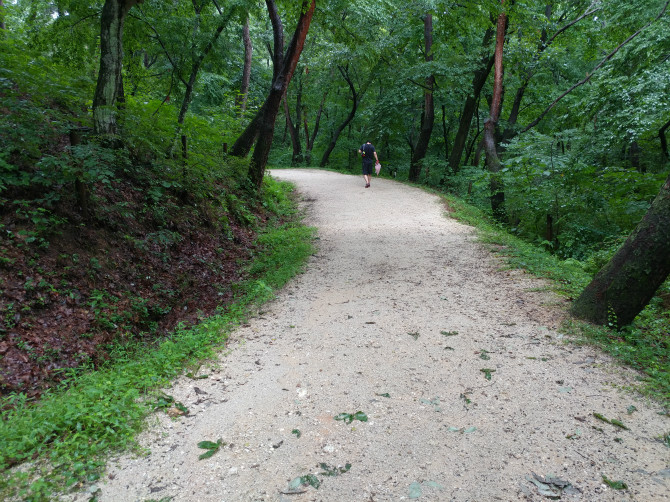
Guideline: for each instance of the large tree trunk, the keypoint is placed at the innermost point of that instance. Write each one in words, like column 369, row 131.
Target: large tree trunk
column 245, row 141
column 492, row 159
column 259, row 159
column 111, row 60
column 428, row 115
column 471, row 104
column 624, row 286
column 241, row 100
column 344, row 71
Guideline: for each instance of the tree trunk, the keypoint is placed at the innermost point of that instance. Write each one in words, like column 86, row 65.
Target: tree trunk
column 624, row 286
column 428, row 115
column 492, row 159
column 293, row 130
column 241, row 99
column 259, row 159
column 445, row 134
column 2, row 16
column 111, row 60
column 664, row 141
column 309, row 143
column 350, row 117
column 470, row 104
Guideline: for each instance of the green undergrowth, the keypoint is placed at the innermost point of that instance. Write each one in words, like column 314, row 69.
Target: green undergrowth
column 643, row 346
column 63, row 440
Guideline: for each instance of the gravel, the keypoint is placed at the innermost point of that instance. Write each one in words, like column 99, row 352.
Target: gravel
column 397, row 316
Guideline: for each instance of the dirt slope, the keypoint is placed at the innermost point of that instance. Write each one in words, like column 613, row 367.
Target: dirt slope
column 396, row 316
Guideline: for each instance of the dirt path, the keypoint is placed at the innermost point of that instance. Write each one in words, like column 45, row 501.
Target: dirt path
column 396, row 316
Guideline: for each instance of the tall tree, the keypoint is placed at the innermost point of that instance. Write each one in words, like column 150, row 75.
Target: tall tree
column 624, row 286
column 428, row 115
column 344, row 71
column 490, row 144
column 470, row 105
column 111, row 60
column 289, row 61
column 241, row 99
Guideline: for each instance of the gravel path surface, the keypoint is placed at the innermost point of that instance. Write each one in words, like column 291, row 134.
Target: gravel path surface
column 397, row 316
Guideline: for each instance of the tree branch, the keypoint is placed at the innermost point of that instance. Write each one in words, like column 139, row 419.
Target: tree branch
column 596, row 68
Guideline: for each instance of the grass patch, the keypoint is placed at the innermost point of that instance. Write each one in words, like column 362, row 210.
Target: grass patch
column 64, row 439
column 644, row 345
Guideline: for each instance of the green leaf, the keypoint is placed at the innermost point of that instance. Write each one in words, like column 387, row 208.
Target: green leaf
column 487, row 372
column 333, row 471
column 208, row 445
column 385, row 394
column 211, row 447
column 415, row 490
column 359, row 415
column 296, row 432
column 631, row 409
column 617, row 485
column 449, row 333
column 615, row 422
column 207, row 454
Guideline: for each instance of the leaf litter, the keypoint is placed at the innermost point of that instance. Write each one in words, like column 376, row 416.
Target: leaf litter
column 551, row 486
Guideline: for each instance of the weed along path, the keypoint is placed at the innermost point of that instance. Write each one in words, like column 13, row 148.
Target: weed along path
column 402, row 364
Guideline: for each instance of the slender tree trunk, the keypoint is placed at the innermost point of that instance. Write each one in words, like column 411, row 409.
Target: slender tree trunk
column 664, row 140
column 492, row 159
column 259, row 158
column 241, row 99
column 188, row 95
column 309, row 143
column 111, row 61
column 344, row 71
column 624, row 286
column 471, row 103
column 445, row 133
column 293, row 132
column 2, row 16
column 428, row 115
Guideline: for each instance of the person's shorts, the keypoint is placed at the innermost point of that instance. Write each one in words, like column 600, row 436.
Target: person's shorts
column 368, row 168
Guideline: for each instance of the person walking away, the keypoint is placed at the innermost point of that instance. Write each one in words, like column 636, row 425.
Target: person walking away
column 369, row 156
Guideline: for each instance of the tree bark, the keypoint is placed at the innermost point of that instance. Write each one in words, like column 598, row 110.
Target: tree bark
column 241, row 99
column 492, row 159
column 664, row 140
column 111, row 61
column 470, row 104
column 428, row 115
column 624, row 286
column 259, row 158
column 294, row 130
column 2, row 16
column 344, row 71
column 309, row 142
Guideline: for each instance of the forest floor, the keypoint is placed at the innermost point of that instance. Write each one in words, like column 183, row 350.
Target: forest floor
column 404, row 363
